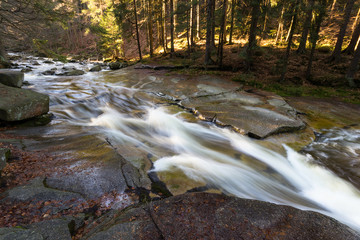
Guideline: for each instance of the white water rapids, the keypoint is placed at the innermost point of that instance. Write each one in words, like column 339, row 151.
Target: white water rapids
column 222, row 159
column 295, row 181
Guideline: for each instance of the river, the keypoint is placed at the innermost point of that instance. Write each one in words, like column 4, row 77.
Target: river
column 119, row 107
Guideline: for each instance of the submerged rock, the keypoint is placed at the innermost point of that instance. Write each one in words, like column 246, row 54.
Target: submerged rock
column 11, row 78
column 19, row 104
column 96, row 68
column 214, row 216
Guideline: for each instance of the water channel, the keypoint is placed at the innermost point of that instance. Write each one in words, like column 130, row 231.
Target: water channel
column 121, row 108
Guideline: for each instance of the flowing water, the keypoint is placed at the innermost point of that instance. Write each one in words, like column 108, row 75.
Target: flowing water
column 118, row 106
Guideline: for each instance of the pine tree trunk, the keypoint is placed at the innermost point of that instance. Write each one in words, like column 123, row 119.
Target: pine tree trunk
column 209, row 20
column 161, row 22
column 233, row 2
column 188, row 21
column 337, row 51
column 198, row 20
column 354, row 39
column 332, row 9
column 193, row 23
column 354, row 65
column 314, row 36
column 213, row 25
column 222, row 35
column 137, row 30
column 150, row 28
column 255, row 13
column 292, row 30
column 279, row 33
column 164, row 24
column 307, row 24
column 172, row 49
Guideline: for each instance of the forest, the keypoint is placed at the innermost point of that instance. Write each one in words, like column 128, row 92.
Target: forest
column 250, row 36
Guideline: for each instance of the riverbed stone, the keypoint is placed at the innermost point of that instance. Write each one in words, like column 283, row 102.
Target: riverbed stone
column 215, row 216
column 11, row 78
column 96, row 68
column 54, row 229
column 36, row 191
column 19, row 104
column 258, row 116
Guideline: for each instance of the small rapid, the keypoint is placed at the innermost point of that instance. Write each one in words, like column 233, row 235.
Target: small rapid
column 115, row 106
column 260, row 173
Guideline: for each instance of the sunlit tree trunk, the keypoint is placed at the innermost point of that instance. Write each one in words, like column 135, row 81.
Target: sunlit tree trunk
column 280, row 30
column 233, row 2
column 213, row 25
column 150, row 28
column 198, row 20
column 307, row 25
column 332, row 9
column 137, row 30
column 354, row 39
column 337, row 51
column 193, row 23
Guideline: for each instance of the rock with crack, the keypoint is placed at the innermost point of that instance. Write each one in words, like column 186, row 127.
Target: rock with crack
column 256, row 115
column 214, row 216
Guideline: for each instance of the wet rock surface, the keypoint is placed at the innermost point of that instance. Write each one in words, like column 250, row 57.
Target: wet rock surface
column 213, row 216
column 19, row 104
column 11, row 78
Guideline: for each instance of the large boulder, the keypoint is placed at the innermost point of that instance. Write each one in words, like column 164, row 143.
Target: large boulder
column 11, row 78
column 19, row 104
column 214, row 216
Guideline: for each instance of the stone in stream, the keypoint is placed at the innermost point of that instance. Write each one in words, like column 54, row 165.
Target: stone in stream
column 19, row 104
column 11, row 78
column 257, row 115
column 214, row 216
column 96, row 68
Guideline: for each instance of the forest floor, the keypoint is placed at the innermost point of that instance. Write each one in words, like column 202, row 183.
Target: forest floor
column 327, row 81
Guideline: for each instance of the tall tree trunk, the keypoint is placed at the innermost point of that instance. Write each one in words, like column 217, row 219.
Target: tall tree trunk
column 354, row 39
column 209, row 20
column 193, row 23
column 188, row 21
column 150, row 28
column 307, row 24
column 222, row 35
column 354, row 65
column 161, row 22
column 172, row 49
column 233, row 2
column 280, row 30
column 198, row 20
column 137, row 30
column 213, row 25
column 164, row 24
column 332, row 9
column 355, row 21
column 337, row 51
column 255, row 13
column 314, row 36
column 292, row 30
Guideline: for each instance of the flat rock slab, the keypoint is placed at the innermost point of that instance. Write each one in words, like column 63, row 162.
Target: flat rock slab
column 214, row 216
column 257, row 115
column 19, row 104
column 55, row 229
column 11, row 78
